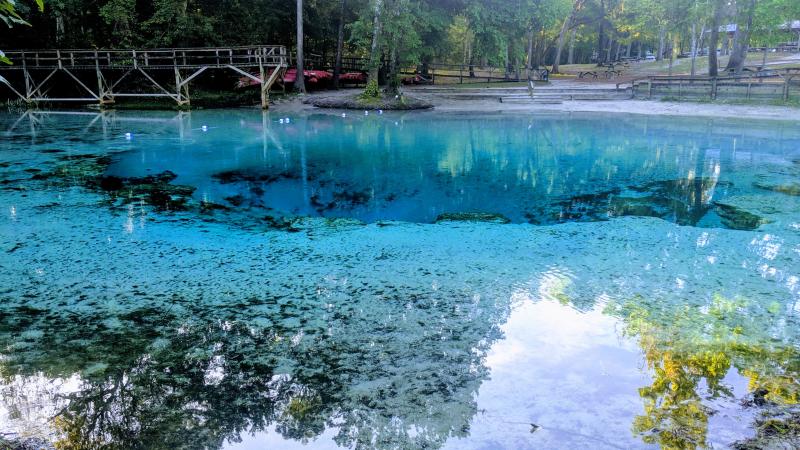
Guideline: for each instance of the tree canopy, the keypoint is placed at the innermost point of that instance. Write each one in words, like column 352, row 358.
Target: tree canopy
column 487, row 32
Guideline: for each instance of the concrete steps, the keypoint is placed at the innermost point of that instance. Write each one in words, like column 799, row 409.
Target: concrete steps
column 520, row 94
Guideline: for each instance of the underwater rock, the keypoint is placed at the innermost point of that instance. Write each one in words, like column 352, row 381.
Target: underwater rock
column 788, row 189
column 737, row 218
column 155, row 190
column 89, row 171
column 775, row 430
column 472, row 217
column 235, row 200
column 208, row 207
column 238, row 176
column 683, row 201
column 76, row 168
column 625, row 206
column 25, row 443
column 111, row 183
column 353, row 197
column 281, row 223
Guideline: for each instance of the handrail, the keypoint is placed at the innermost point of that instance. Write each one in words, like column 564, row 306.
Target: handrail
column 243, row 56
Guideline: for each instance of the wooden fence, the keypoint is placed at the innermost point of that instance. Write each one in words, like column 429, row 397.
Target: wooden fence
column 765, row 86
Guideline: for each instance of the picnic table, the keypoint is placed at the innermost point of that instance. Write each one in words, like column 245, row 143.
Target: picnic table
column 607, row 71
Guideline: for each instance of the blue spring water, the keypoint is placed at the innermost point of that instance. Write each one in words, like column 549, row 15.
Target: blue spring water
column 219, row 279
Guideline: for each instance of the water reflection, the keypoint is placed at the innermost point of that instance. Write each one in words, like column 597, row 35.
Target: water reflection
column 543, row 170
column 127, row 325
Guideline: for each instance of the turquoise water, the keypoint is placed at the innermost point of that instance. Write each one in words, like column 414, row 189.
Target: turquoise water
column 223, row 279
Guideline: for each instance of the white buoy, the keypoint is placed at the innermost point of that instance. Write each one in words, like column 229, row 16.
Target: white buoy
column 366, row 113
column 287, row 120
column 204, row 128
column 280, row 121
column 380, row 111
column 128, row 136
column 344, row 115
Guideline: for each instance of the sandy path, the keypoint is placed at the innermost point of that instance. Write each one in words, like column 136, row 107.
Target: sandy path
column 651, row 107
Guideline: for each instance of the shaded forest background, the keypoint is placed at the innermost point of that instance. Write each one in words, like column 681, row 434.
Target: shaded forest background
column 496, row 32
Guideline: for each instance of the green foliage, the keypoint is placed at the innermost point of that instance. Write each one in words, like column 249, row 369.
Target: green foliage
column 371, row 90
column 10, row 16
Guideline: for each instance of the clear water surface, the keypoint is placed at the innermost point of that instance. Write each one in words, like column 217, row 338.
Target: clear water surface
column 230, row 279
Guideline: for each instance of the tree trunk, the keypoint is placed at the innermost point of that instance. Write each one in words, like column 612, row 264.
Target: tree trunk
column 529, row 56
column 337, row 66
column 739, row 54
column 662, row 32
column 299, row 82
column 374, row 62
column 508, row 62
column 471, row 66
column 393, row 82
column 560, row 44
column 628, row 50
column 694, row 49
column 608, row 50
column 571, row 53
column 601, row 32
column 713, row 40
column 639, row 51
column 671, row 57
column 576, row 6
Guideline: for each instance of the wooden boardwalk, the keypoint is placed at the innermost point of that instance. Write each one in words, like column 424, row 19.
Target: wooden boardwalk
column 110, row 67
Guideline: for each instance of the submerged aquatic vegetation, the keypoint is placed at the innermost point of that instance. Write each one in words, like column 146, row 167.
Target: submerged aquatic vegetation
column 194, row 330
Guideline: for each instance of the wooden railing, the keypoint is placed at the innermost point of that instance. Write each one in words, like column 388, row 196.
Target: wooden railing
column 772, row 84
column 183, row 58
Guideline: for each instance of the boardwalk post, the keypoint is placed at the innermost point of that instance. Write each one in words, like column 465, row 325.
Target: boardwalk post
column 181, row 88
column 103, row 89
column 264, row 88
column 27, row 77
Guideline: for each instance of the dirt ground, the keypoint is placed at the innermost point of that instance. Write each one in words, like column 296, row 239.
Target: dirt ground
column 651, row 107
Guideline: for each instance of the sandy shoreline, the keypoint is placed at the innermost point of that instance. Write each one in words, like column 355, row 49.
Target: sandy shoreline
column 648, row 107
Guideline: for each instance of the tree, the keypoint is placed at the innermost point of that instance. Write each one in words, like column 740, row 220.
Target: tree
column 568, row 23
column 299, row 82
column 372, row 82
column 337, row 68
column 10, row 16
column 713, row 40
column 739, row 54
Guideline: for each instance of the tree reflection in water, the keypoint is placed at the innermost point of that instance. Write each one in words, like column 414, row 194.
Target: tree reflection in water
column 391, row 376
column 691, row 349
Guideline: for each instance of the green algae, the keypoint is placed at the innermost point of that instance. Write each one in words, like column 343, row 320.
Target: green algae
column 787, row 188
column 472, row 217
column 736, row 218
